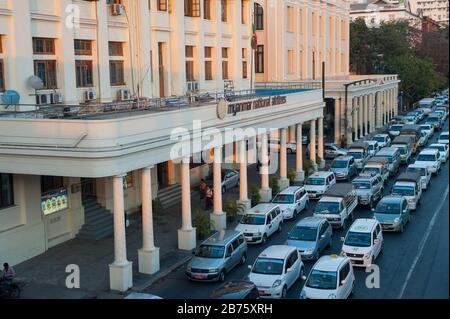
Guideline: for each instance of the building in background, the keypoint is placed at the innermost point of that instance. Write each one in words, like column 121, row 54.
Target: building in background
column 436, row 10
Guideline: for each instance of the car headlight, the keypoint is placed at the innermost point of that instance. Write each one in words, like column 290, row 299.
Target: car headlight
column 276, row 283
column 367, row 255
column 409, row 200
column 308, row 251
column 331, row 296
column 214, row 270
column 343, row 253
column 188, row 268
column 397, row 220
column 258, row 234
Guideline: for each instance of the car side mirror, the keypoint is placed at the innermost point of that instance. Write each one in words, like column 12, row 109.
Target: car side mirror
column 249, row 267
column 375, row 242
column 289, row 270
column 322, row 236
column 342, row 239
column 343, row 282
column 372, row 209
column 303, row 277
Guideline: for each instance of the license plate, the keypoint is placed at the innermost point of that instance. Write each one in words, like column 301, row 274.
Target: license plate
column 261, row 292
column 199, row 276
column 248, row 238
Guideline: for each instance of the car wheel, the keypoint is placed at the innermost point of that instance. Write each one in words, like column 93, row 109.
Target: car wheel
column 224, row 189
column 280, row 229
column 402, row 228
column 264, row 239
column 295, row 214
column 284, row 293
column 243, row 259
column 371, row 203
column 301, row 273
column 330, row 242
column 222, row 276
column 352, row 292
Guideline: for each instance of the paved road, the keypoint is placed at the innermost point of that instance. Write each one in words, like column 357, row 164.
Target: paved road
column 414, row 264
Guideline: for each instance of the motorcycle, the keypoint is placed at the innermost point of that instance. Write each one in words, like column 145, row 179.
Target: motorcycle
column 10, row 290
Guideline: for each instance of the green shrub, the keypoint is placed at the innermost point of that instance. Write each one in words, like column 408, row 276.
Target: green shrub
column 233, row 209
column 274, row 185
column 255, row 196
column 203, row 224
column 308, row 166
column 291, row 175
column 318, row 160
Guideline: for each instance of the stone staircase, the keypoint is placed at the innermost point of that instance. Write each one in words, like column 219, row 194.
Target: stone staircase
column 171, row 195
column 99, row 221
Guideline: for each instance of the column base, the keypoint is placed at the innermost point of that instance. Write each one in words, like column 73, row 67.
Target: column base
column 322, row 164
column 187, row 239
column 121, row 276
column 315, row 167
column 148, row 261
column 300, row 176
column 218, row 221
column 266, row 195
column 244, row 202
column 283, row 183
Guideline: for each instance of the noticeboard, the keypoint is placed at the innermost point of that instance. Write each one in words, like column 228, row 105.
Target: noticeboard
column 54, row 201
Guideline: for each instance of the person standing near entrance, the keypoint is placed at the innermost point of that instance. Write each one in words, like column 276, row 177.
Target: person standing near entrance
column 209, row 198
column 203, row 186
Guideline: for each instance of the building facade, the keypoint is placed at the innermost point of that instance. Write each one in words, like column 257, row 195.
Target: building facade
column 436, row 10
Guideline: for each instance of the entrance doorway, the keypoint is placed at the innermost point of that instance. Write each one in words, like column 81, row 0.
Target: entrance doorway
column 88, row 188
column 163, row 178
column 329, row 120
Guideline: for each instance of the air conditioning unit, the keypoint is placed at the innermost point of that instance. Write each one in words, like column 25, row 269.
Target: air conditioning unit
column 124, row 95
column 56, row 98
column 90, row 95
column 192, row 86
column 42, row 99
column 117, row 9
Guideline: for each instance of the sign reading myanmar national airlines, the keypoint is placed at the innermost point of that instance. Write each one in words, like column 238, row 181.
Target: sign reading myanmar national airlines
column 254, row 104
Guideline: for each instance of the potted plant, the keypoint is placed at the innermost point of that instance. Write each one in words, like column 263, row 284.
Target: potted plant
column 274, row 185
column 255, row 196
column 203, row 224
column 233, row 209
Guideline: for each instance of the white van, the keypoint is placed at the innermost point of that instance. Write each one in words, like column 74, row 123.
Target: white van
column 363, row 242
column 431, row 159
column 291, row 201
column 260, row 222
column 318, row 183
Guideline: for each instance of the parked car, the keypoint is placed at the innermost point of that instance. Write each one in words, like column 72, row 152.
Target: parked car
column 392, row 154
column 337, row 204
column 431, row 159
column 260, row 222
column 363, row 242
column 396, row 120
column 236, row 289
column 427, row 128
column 142, row 296
column 276, row 270
column 332, row 150
column 318, row 183
column 409, row 185
column 230, row 179
column 377, row 165
column 392, row 212
column 360, row 152
column 276, row 144
column 383, row 140
column 331, row 277
column 425, row 174
column 369, row 188
column 374, row 147
column 443, row 138
column 217, row 256
column 395, row 129
column 344, row 167
column 443, row 151
column 291, row 201
column 311, row 236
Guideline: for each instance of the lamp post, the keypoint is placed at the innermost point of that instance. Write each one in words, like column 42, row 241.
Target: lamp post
column 401, row 101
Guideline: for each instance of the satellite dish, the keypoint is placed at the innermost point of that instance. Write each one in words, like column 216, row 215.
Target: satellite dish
column 10, row 97
column 35, row 82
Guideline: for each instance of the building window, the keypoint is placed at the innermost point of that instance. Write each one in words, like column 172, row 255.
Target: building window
column 290, row 61
column 189, row 53
column 50, row 183
column 6, row 190
column 259, row 59
column 207, row 9
column 224, row 6
column 115, row 49
column 2, row 76
column 84, row 74
column 208, row 64
column 259, row 17
column 44, row 46
column 225, row 74
column 192, row 8
column 244, row 12
column 116, row 73
column 244, row 64
column 83, row 47
column 113, row 1
column 46, row 71
column 162, row 5
column 290, row 19
column 128, row 181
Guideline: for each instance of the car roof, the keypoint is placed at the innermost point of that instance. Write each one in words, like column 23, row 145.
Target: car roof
column 365, row 177
column 344, row 157
column 392, row 199
column 261, row 208
column 429, row 151
column 310, row 221
column 387, row 150
column 372, row 142
column 383, row 135
column 445, row 132
column 290, row 190
column 277, row 251
column 363, row 225
column 321, row 174
column 437, row 144
column 222, row 237
column 233, row 288
column 329, row 263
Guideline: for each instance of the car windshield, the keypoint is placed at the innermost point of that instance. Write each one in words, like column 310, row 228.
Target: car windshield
column 396, row 127
column 357, row 239
column 403, row 190
column 315, row 181
column 303, row 233
column 410, row 118
column 379, row 138
column 322, row 279
column 443, row 137
column 420, row 170
column 401, row 149
column 339, row 164
column 387, row 208
column 437, row 147
column 268, row 266
column 356, row 155
column 283, row 199
column 251, row 219
column 425, row 127
column 361, row 185
column 210, row 251
column 327, row 208
column 371, row 147
column 426, row 158
column 370, row 170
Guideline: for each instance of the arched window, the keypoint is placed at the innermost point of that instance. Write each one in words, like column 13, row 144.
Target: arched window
column 259, row 17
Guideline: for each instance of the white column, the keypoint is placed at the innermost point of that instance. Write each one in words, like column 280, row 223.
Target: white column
column 120, row 271
column 148, row 255
column 349, row 124
column 366, row 114
column 355, row 122
column 337, row 121
column 218, row 217
column 284, row 181
column 292, row 134
column 320, row 142
column 265, row 191
column 300, row 174
column 361, row 114
column 187, row 234
column 312, row 143
column 243, row 188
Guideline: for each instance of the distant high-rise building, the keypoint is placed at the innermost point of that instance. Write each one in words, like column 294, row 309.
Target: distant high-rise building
column 434, row 9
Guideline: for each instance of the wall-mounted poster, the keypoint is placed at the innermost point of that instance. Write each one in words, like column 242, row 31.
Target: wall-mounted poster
column 54, row 201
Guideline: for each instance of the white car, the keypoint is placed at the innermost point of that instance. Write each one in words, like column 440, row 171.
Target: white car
column 331, row 277
column 260, row 222
column 443, row 138
column 443, row 151
column 374, row 147
column 363, row 242
column 291, row 201
column 431, row 159
column 318, row 183
column 427, row 128
column 274, row 144
column 276, row 270
column 383, row 140
column 425, row 174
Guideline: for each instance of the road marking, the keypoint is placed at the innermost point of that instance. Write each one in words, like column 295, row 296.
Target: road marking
column 423, row 242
